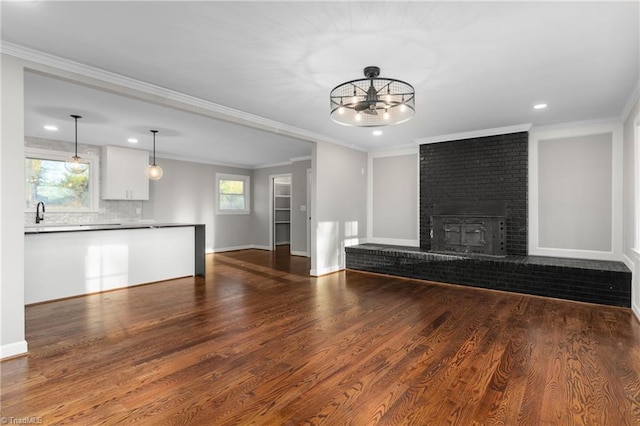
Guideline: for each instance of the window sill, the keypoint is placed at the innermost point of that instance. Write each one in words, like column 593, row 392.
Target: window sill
column 231, row 212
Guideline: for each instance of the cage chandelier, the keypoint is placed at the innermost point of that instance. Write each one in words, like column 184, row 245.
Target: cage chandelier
column 372, row 101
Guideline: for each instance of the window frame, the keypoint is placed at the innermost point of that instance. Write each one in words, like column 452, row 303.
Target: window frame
column 247, row 193
column 636, row 149
column 94, row 177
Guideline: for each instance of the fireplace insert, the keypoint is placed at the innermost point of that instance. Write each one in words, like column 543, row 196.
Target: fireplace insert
column 472, row 234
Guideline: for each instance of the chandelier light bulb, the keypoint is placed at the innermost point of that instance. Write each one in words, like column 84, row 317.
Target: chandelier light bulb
column 386, row 114
column 358, row 116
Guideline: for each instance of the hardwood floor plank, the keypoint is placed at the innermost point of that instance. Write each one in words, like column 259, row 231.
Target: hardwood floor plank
column 260, row 342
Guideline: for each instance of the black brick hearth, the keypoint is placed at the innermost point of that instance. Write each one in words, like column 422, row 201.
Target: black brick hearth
column 594, row 281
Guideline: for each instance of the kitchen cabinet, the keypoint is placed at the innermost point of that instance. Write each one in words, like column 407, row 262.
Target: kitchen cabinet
column 124, row 174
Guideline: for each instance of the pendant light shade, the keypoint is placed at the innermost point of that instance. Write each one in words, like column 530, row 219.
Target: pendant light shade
column 154, row 172
column 75, row 165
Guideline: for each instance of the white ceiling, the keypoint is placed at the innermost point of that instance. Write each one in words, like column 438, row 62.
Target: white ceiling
column 475, row 65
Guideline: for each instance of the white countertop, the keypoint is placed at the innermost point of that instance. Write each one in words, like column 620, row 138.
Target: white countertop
column 44, row 228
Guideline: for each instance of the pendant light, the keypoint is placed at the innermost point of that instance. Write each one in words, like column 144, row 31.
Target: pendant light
column 154, row 172
column 74, row 164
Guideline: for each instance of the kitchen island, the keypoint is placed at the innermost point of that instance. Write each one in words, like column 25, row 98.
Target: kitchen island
column 70, row 260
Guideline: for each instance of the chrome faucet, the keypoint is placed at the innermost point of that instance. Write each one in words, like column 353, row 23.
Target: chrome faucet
column 39, row 214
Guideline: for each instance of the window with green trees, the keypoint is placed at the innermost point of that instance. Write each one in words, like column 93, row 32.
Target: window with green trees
column 233, row 193
column 47, row 180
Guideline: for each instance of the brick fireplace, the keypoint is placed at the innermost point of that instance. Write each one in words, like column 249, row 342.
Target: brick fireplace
column 473, row 229
column 489, row 171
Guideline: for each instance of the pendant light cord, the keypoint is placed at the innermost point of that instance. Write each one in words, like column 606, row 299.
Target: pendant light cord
column 75, row 117
column 154, row 145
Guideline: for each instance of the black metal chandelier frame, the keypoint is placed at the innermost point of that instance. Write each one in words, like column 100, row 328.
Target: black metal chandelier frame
column 372, row 101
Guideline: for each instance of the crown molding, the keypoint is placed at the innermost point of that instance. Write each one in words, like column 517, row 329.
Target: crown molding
column 296, row 159
column 283, row 163
column 233, row 165
column 633, row 98
column 215, row 110
column 268, row 166
column 405, row 150
column 475, row 134
column 611, row 121
column 198, row 160
column 386, row 149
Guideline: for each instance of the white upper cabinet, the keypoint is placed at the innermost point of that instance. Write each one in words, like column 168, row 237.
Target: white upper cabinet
column 124, row 174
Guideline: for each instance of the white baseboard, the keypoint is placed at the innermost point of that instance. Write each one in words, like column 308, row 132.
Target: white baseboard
column 235, row 248
column 636, row 310
column 325, row 271
column 256, row 247
column 13, row 349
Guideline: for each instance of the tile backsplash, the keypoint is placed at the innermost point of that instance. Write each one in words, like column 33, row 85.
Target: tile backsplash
column 109, row 211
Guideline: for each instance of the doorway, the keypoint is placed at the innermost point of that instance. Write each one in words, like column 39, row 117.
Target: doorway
column 280, row 229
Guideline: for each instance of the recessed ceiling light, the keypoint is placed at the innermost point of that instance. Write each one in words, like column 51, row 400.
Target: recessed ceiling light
column 377, row 132
column 132, row 140
column 539, row 106
column 50, row 127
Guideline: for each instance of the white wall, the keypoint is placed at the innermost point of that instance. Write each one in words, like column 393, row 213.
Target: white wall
column 631, row 132
column 298, row 200
column 261, row 191
column 339, row 213
column 575, row 191
column 393, row 198
column 12, row 327
column 186, row 194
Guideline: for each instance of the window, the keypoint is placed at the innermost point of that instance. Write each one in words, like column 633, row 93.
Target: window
column 233, row 194
column 47, row 180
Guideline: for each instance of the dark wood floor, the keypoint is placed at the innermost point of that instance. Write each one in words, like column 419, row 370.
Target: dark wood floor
column 259, row 342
